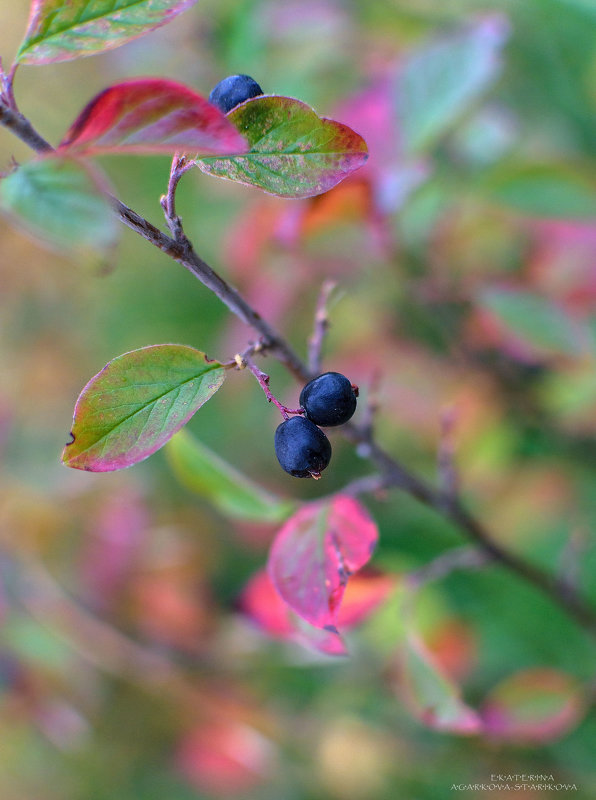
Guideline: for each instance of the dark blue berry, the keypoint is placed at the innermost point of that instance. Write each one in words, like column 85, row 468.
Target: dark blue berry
column 301, row 448
column 234, row 90
column 329, row 399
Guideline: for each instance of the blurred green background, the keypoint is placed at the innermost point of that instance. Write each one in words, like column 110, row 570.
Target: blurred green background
column 465, row 257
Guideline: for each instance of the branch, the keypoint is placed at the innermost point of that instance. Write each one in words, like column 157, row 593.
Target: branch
column 394, row 473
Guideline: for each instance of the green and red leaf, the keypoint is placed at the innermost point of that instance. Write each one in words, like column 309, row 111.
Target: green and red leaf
column 316, row 552
column 293, row 152
column 62, row 202
column 151, row 115
column 136, row 403
column 533, row 706
column 61, row 31
column 430, row 695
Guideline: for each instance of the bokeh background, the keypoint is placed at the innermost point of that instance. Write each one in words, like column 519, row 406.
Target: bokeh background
column 465, row 258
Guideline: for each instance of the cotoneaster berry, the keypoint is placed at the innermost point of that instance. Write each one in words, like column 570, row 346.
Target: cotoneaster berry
column 329, row 399
column 234, row 90
column 301, row 448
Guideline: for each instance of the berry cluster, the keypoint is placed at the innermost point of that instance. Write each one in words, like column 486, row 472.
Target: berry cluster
column 301, row 447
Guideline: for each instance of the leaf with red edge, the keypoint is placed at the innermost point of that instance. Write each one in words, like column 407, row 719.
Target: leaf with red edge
column 430, row 695
column 61, row 31
column 533, row 706
column 293, row 152
column 136, row 403
column 151, row 115
column 316, row 551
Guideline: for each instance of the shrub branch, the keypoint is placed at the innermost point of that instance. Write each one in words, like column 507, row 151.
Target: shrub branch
column 393, row 474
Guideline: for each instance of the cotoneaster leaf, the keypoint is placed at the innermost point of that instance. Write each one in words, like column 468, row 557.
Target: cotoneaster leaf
column 235, row 494
column 61, row 31
column 60, row 201
column 533, row 706
column 136, row 403
column 151, row 115
column 293, row 152
column 314, row 554
column 430, row 695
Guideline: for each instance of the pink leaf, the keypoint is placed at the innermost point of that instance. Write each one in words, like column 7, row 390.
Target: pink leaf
column 262, row 603
column 533, row 706
column 315, row 553
column 151, row 115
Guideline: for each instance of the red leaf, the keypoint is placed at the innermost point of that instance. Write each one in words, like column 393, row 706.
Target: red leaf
column 315, row 553
column 263, row 604
column 151, row 115
column 225, row 758
column 533, row 706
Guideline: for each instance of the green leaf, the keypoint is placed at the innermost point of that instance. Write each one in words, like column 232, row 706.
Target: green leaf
column 293, row 152
column 204, row 472
column 60, row 31
column 430, row 695
column 545, row 190
column 535, row 320
column 136, row 403
column 60, row 201
column 441, row 81
column 586, row 6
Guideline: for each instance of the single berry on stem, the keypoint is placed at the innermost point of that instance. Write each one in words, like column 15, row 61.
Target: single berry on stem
column 232, row 91
column 329, row 399
column 301, row 448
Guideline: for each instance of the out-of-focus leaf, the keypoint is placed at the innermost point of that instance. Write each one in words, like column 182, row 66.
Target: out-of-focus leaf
column 533, row 706
column 60, row 31
column 315, row 553
column 61, row 202
column 441, row 81
column 136, row 403
column 365, row 592
column 225, row 757
column 535, row 320
column 545, row 190
column 151, row 115
column 588, row 6
column 204, row 472
column 293, row 152
column 430, row 695
column 262, row 603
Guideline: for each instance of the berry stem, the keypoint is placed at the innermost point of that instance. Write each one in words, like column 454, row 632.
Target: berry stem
column 263, row 380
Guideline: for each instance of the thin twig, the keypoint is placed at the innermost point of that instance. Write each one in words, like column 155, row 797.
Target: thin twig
column 315, row 343
column 443, row 565
column 396, row 475
column 447, row 472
